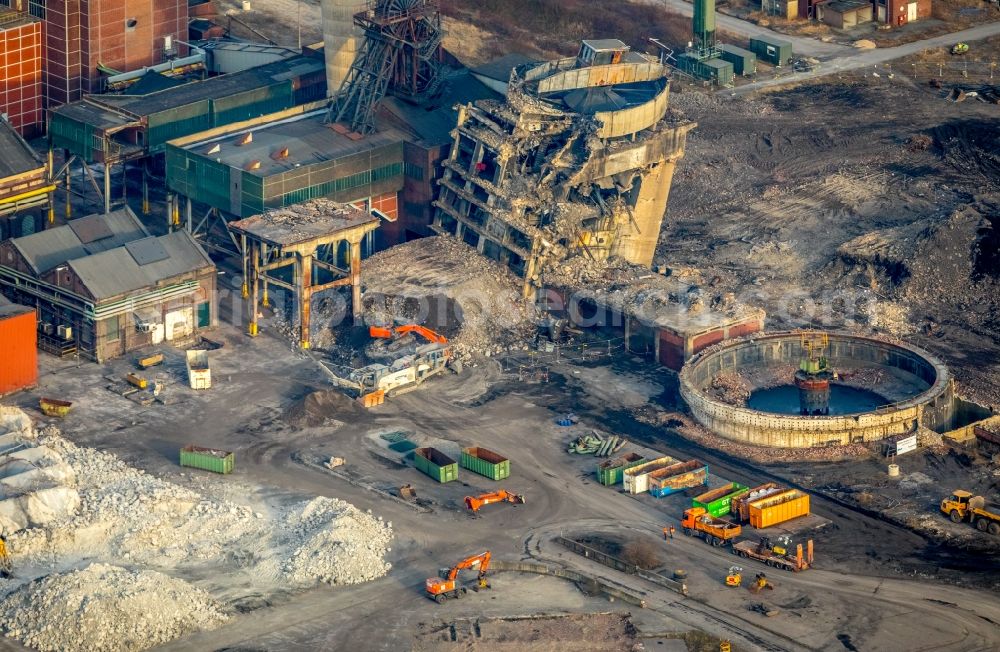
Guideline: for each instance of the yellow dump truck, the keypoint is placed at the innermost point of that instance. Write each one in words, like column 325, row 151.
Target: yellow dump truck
column 963, row 506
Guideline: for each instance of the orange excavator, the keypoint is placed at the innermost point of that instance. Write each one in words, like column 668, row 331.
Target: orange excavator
column 443, row 587
column 475, row 503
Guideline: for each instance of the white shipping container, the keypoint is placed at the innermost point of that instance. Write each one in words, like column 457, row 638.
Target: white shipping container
column 199, row 373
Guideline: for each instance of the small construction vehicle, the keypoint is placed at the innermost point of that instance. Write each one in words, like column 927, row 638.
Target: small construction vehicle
column 963, row 506
column 715, row 531
column 443, row 587
column 376, row 381
column 735, row 576
column 775, row 555
column 475, row 503
column 960, row 48
column 760, row 582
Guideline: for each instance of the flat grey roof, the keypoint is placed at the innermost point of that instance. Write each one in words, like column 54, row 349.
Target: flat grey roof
column 115, row 272
column 50, row 248
column 16, row 156
column 9, row 309
column 300, row 223
column 308, row 140
column 717, row 63
column 606, row 44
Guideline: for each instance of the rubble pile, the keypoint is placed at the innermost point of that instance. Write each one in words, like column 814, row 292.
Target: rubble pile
column 442, row 283
column 730, row 388
column 339, row 544
column 106, row 608
column 128, row 516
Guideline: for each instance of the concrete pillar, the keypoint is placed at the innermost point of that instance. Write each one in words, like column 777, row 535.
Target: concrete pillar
column 356, row 282
column 654, row 187
column 254, row 278
column 107, row 188
column 304, row 276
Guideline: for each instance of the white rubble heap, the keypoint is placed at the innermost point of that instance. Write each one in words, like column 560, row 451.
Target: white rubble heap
column 106, row 607
column 128, row 517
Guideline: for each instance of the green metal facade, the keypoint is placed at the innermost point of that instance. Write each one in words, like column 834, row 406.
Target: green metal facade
column 179, row 121
column 347, row 179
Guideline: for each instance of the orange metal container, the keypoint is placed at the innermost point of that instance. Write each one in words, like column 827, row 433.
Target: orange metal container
column 778, row 508
column 19, row 339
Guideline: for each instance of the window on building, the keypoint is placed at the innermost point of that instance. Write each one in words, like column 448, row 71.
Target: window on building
column 112, row 329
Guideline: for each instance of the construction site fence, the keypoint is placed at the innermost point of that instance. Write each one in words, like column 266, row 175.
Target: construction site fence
column 620, row 565
column 573, row 576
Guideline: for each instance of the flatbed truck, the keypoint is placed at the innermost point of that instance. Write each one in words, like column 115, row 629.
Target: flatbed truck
column 774, row 556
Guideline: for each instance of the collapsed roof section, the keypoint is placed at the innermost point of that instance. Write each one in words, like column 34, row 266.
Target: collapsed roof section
column 578, row 159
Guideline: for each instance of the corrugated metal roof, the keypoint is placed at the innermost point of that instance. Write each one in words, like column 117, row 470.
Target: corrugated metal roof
column 48, row 249
column 115, row 272
column 18, row 157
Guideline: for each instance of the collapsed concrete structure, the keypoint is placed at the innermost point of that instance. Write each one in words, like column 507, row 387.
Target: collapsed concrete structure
column 578, row 159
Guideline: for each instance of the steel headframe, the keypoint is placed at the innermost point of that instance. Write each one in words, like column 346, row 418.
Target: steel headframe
column 401, row 52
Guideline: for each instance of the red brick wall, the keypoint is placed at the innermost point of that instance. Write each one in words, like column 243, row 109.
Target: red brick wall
column 671, row 350
column 707, row 340
column 62, row 52
column 21, row 77
column 84, row 33
column 898, row 14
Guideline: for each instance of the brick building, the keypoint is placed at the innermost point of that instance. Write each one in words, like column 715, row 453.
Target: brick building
column 901, row 12
column 21, row 71
column 84, row 37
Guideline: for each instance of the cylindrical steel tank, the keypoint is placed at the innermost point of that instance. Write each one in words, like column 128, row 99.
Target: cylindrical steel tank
column 814, row 392
column 341, row 39
column 703, row 22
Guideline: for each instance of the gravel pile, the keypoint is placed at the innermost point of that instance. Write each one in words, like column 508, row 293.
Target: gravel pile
column 128, row 516
column 339, row 544
column 106, row 608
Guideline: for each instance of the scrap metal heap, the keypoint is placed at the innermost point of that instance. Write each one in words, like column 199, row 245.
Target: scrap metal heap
column 578, row 160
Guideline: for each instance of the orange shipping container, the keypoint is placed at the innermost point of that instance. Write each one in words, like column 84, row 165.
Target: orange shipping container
column 19, row 341
column 778, row 509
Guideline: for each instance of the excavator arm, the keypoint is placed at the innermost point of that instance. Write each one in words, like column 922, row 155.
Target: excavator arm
column 475, row 503
column 379, row 332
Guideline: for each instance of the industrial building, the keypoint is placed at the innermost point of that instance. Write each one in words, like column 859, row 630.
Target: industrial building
column 113, row 130
column 21, row 71
column 90, row 39
column 103, row 286
column 844, row 14
column 286, row 161
column 569, row 164
column 25, row 189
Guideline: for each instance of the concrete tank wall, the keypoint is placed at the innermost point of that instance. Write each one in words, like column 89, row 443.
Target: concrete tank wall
column 341, row 39
column 932, row 407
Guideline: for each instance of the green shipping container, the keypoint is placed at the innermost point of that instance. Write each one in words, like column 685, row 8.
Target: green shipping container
column 612, row 472
column 717, row 501
column 435, row 464
column 485, row 462
column 744, row 61
column 774, row 51
column 715, row 70
column 208, row 459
